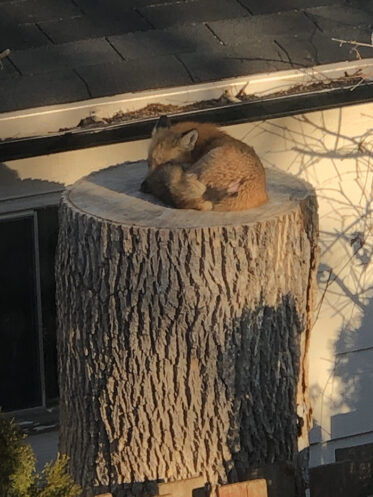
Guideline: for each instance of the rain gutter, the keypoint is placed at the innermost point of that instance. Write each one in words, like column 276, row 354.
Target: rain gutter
column 263, row 108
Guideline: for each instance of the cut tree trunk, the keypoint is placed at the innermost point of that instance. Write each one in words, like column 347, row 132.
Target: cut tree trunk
column 183, row 335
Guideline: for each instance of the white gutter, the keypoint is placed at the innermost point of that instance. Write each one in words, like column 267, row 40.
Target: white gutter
column 50, row 119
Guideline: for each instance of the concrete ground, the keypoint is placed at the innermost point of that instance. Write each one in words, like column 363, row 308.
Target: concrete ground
column 45, row 447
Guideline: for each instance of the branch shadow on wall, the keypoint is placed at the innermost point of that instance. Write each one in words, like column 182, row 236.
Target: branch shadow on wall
column 340, row 166
column 354, row 369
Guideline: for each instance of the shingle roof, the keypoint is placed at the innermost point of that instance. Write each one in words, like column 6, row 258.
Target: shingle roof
column 69, row 50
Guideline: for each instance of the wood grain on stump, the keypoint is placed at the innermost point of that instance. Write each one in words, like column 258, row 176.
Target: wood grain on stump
column 183, row 335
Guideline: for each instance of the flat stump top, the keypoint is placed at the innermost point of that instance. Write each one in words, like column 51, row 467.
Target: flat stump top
column 113, row 195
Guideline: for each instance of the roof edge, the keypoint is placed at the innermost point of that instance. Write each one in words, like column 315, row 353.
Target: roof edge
column 30, row 132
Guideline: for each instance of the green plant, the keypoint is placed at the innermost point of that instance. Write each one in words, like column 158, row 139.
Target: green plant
column 55, row 481
column 18, row 476
column 17, row 461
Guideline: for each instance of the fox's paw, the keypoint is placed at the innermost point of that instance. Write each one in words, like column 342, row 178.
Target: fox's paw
column 193, row 185
column 206, row 205
column 196, row 204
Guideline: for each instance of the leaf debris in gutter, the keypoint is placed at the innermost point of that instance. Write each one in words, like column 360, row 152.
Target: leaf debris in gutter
column 156, row 109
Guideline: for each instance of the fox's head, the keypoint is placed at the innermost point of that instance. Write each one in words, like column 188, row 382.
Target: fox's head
column 169, row 145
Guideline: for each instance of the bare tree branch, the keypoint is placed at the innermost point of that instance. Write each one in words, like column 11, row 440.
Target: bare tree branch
column 353, row 42
column 3, row 54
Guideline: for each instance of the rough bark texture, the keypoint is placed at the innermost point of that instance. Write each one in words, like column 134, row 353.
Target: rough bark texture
column 182, row 335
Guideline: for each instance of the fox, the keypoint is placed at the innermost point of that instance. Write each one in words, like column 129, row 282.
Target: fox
column 194, row 165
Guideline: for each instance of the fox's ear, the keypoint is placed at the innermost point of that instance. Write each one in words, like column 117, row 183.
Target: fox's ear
column 163, row 122
column 189, row 139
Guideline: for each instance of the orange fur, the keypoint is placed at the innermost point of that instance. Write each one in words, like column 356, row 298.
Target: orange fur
column 198, row 166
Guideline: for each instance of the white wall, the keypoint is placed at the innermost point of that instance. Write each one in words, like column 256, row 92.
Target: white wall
column 333, row 151
column 50, row 173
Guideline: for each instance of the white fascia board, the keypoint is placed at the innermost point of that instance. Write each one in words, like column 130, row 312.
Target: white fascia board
column 51, row 119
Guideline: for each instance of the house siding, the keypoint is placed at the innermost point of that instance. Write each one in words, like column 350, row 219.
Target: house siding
column 333, row 151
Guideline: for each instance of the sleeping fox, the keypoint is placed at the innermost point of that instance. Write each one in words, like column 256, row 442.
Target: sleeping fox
column 197, row 166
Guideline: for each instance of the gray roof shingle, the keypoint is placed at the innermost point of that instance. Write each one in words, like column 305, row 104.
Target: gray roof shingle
column 109, row 79
column 256, row 28
column 64, row 56
column 67, row 50
column 169, row 14
column 42, row 89
column 156, row 42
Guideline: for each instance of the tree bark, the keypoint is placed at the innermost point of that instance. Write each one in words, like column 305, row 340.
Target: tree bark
column 183, row 335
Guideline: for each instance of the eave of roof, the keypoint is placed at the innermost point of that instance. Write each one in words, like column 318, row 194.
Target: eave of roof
column 76, row 50
column 287, row 93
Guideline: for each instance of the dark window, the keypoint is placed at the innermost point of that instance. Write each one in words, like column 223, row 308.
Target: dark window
column 26, row 378
column 20, row 384
column 48, row 232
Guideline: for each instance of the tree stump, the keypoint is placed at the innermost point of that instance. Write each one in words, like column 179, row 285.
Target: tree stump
column 183, row 335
